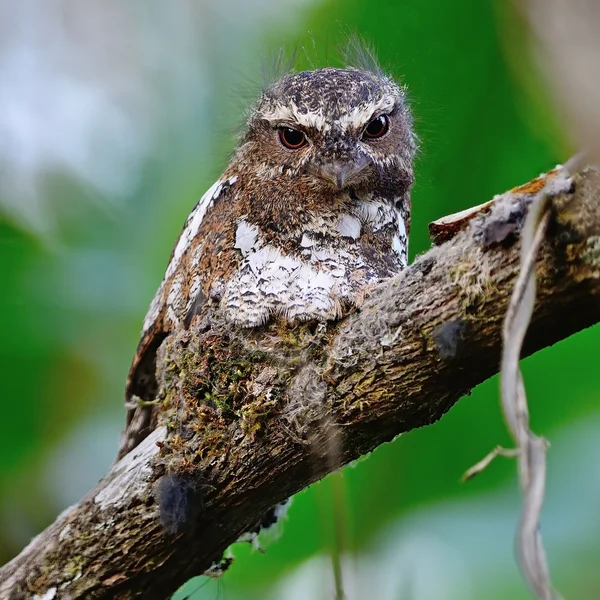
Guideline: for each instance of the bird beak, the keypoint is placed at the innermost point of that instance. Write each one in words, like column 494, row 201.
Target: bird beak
column 338, row 172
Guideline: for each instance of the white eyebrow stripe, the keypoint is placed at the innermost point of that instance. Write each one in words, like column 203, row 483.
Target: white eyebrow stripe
column 360, row 115
column 291, row 113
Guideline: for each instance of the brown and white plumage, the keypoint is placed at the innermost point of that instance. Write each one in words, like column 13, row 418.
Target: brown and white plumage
column 311, row 212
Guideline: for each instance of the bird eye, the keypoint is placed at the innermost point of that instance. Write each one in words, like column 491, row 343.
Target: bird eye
column 377, row 128
column 292, row 138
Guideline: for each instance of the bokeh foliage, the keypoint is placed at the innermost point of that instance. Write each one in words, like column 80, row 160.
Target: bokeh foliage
column 65, row 350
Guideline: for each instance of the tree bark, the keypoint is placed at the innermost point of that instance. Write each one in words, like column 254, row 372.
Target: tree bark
column 247, row 419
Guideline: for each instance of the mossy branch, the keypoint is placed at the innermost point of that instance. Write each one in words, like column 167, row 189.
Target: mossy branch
column 248, row 419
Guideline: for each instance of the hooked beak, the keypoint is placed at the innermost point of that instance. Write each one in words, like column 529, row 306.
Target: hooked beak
column 340, row 172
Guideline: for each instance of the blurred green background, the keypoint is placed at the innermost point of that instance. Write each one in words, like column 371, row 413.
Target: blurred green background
column 114, row 118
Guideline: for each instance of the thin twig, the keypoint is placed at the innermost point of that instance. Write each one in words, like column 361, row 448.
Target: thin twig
column 487, row 459
column 531, row 448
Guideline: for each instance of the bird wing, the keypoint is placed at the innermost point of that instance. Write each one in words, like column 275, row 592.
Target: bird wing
column 172, row 306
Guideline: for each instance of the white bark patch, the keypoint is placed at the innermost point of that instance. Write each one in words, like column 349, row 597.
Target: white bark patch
column 129, row 477
column 65, row 532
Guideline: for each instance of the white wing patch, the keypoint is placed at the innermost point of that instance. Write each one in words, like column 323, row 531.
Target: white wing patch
column 174, row 299
column 154, row 309
column 192, row 225
column 190, row 231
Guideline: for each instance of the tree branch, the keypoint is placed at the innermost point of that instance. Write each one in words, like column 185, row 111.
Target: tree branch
column 250, row 418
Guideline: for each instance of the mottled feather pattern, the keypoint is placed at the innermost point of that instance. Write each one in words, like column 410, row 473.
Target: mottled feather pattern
column 295, row 232
column 173, row 295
